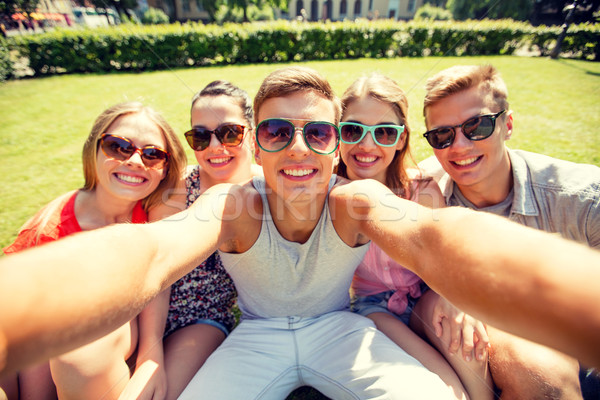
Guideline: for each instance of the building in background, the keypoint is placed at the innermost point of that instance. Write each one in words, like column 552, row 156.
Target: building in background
column 337, row 10
column 181, row 10
column 311, row 10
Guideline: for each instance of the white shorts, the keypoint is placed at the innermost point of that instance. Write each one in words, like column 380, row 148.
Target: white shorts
column 341, row 354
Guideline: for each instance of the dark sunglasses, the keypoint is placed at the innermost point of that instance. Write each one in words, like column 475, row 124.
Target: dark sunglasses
column 230, row 135
column 476, row 128
column 276, row 134
column 383, row 135
column 121, row 149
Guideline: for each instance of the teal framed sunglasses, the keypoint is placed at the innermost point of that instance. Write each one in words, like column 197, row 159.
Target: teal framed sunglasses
column 385, row 135
column 275, row 134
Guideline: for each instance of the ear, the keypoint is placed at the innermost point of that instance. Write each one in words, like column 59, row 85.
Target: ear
column 257, row 153
column 509, row 125
column 402, row 141
column 336, row 158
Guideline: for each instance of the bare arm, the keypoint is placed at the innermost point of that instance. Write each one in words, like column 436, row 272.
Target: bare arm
column 59, row 296
column 531, row 283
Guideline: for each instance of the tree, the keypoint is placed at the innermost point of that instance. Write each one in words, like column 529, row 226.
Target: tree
column 211, row 7
column 467, row 9
column 244, row 4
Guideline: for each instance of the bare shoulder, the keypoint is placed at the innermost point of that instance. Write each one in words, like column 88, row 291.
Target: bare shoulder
column 424, row 189
column 243, row 218
column 351, row 204
column 172, row 202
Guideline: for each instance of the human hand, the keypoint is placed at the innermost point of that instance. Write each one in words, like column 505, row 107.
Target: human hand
column 148, row 382
column 463, row 330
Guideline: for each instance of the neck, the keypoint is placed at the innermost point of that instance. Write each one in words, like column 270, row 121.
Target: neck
column 296, row 220
column 95, row 209
column 492, row 190
column 207, row 181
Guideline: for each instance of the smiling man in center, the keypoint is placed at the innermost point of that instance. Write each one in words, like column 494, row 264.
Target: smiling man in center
column 292, row 258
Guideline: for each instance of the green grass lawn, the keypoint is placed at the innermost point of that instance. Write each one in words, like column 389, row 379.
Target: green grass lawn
column 45, row 121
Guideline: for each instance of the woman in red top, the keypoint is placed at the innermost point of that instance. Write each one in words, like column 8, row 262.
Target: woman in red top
column 131, row 159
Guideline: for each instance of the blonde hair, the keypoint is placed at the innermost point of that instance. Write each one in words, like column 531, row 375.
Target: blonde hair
column 462, row 77
column 177, row 158
column 286, row 81
column 386, row 90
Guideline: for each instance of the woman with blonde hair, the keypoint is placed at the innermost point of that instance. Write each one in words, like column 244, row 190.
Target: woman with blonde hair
column 132, row 161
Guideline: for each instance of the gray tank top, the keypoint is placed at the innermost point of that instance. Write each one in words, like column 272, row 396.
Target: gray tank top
column 279, row 278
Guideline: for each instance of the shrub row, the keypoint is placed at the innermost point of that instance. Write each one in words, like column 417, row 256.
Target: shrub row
column 137, row 48
column 6, row 67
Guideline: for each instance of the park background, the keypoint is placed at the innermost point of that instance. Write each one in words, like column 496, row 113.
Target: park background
column 45, row 121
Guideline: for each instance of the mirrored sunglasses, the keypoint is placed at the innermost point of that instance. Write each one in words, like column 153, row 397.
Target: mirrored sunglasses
column 275, row 134
column 476, row 128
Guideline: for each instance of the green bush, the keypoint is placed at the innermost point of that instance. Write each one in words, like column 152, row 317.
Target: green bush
column 227, row 14
column 154, row 16
column 138, row 48
column 6, row 66
column 429, row 12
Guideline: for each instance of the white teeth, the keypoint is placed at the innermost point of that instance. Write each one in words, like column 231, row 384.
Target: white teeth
column 467, row 161
column 130, row 179
column 366, row 159
column 298, row 172
column 220, row 160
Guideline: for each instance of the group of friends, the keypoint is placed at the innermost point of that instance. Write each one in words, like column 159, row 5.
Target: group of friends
column 351, row 274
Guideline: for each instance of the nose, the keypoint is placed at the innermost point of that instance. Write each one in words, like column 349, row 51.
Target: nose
column 298, row 147
column 460, row 140
column 214, row 142
column 367, row 142
column 136, row 158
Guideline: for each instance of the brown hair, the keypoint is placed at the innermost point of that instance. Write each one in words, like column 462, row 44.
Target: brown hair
column 286, row 81
column 384, row 89
column 225, row 88
column 462, row 77
column 177, row 157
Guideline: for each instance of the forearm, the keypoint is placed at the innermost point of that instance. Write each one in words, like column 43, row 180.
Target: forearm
column 59, row 296
column 527, row 282
column 151, row 322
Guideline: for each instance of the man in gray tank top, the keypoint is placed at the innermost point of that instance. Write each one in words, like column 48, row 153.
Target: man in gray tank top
column 292, row 264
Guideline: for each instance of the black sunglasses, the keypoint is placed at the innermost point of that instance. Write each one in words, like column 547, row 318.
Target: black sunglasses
column 476, row 128
column 121, row 149
column 275, row 134
column 230, row 135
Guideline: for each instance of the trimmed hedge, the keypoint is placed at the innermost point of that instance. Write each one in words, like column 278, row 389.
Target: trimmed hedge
column 140, row 48
column 6, row 66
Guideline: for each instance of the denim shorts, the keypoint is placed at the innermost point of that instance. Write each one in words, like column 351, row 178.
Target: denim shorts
column 365, row 305
column 214, row 323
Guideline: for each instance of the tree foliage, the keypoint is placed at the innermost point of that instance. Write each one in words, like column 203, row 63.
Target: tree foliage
column 519, row 10
column 154, row 16
column 245, row 4
column 523, row 10
column 430, row 12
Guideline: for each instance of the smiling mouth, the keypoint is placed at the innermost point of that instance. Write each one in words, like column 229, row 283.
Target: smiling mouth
column 298, row 172
column 365, row 159
column 467, row 161
column 220, row 160
column 130, row 179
